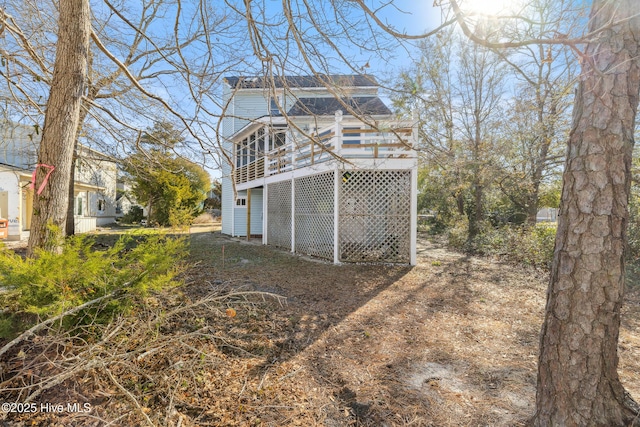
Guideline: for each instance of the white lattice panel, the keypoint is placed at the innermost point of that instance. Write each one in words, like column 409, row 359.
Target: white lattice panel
column 315, row 215
column 375, row 218
column 279, row 214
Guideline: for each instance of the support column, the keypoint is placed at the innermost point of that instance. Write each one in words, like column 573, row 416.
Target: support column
column 248, row 214
column 265, row 214
column 293, row 214
column 414, row 216
column 336, row 215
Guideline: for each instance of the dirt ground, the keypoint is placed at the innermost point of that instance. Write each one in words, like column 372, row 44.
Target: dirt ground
column 452, row 341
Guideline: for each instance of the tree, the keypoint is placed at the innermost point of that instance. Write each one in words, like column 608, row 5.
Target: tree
column 578, row 380
column 61, row 124
column 172, row 187
column 457, row 88
column 215, row 202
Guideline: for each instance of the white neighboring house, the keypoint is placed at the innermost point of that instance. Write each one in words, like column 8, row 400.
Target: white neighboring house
column 94, row 189
column 321, row 166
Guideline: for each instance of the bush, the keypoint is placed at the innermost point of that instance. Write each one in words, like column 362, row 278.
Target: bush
column 521, row 244
column 50, row 284
column 134, row 216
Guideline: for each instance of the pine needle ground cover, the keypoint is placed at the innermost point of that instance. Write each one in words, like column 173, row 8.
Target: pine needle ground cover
column 260, row 337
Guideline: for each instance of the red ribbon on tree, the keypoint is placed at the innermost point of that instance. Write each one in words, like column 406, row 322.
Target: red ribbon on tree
column 46, row 178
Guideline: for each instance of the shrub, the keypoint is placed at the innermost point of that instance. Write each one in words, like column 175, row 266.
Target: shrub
column 521, row 244
column 458, row 234
column 134, row 216
column 50, row 284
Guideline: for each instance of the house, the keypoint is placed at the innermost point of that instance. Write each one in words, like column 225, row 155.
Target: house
column 319, row 165
column 94, row 189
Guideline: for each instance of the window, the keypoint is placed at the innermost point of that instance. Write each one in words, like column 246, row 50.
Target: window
column 252, row 148
column 102, row 204
column 241, row 201
column 238, row 155
column 278, row 137
column 79, row 206
column 260, row 141
column 244, row 152
column 273, row 105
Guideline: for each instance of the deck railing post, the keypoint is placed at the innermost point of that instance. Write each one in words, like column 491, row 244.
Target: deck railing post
column 292, row 147
column 267, row 150
column 338, row 133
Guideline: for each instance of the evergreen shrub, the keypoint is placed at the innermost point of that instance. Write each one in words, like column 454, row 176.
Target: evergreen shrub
column 53, row 283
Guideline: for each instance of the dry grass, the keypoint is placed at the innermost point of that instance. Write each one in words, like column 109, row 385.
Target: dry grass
column 450, row 342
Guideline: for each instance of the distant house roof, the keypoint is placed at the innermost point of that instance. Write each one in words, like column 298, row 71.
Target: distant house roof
column 320, row 80
column 365, row 105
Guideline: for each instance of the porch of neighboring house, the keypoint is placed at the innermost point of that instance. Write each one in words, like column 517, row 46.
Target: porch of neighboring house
column 347, row 193
column 83, row 222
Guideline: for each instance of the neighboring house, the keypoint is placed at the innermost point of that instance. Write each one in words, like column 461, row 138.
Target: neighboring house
column 320, row 166
column 124, row 199
column 101, row 172
column 94, row 189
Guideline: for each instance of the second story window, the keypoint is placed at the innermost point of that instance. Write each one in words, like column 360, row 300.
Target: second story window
column 273, row 106
column 278, row 137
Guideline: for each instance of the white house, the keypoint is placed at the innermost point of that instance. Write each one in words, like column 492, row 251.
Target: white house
column 94, row 189
column 320, row 166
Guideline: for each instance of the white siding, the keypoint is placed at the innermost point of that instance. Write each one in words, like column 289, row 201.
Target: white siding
column 248, row 106
column 240, row 214
column 9, row 183
column 227, row 201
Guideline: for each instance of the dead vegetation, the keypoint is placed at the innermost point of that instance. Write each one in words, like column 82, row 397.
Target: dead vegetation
column 272, row 339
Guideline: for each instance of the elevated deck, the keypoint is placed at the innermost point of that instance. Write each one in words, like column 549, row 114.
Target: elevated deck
column 341, row 145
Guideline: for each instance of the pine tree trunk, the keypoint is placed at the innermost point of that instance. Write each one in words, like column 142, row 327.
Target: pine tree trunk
column 61, row 124
column 578, row 382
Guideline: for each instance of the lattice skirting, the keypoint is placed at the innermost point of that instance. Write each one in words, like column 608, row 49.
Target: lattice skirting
column 375, row 216
column 279, row 214
column 314, row 216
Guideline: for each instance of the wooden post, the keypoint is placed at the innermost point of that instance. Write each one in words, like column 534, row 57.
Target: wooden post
column 248, row 214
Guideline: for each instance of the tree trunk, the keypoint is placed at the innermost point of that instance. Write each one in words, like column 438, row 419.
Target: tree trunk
column 578, row 382
column 70, row 226
column 61, row 124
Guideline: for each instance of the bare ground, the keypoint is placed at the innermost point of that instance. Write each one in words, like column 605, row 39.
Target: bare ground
column 450, row 342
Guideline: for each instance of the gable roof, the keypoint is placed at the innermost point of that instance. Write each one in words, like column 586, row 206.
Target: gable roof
column 319, row 81
column 365, row 105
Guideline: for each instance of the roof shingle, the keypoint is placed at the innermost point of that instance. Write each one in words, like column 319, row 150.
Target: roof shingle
column 364, row 105
column 320, row 80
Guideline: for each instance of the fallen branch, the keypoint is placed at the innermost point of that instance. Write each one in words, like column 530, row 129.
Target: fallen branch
column 31, row 331
column 26, row 334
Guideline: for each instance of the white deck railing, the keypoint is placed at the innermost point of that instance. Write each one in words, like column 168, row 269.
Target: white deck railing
column 333, row 142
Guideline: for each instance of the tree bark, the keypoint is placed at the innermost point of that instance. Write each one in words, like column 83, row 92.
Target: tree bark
column 61, row 124
column 578, row 383
column 70, row 225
